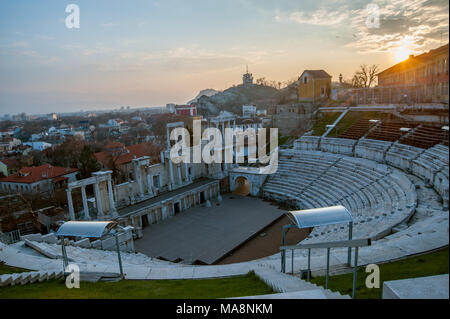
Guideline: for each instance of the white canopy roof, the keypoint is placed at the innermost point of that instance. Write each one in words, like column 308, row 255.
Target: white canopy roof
column 85, row 229
column 320, row 216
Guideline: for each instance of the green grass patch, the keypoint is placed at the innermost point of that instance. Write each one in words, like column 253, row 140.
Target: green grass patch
column 283, row 139
column 421, row 266
column 4, row 270
column 238, row 286
column 326, row 118
column 348, row 120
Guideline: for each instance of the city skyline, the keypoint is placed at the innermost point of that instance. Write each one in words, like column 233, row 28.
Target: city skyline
column 153, row 53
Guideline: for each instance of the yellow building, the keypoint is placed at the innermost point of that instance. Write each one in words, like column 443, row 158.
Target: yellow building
column 314, row 85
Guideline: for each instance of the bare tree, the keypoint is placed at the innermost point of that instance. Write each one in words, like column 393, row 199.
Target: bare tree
column 366, row 76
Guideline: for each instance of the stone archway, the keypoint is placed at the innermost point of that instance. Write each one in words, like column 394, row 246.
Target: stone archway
column 242, row 186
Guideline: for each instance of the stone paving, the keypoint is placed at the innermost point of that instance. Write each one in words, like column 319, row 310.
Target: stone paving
column 206, row 234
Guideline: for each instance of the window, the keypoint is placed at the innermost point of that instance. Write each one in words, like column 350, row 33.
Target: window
column 322, row 91
column 156, row 181
column 305, row 80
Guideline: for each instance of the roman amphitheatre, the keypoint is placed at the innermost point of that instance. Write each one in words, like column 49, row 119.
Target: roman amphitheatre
column 199, row 221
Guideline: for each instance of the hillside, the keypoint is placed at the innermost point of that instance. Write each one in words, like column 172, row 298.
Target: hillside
column 233, row 98
column 206, row 92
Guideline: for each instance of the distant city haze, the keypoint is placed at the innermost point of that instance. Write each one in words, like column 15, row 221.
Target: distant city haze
column 149, row 53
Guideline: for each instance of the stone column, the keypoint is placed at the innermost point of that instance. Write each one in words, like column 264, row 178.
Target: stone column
column 186, row 173
column 171, row 175
column 85, row 203
column 112, row 208
column 131, row 192
column 149, row 184
column 70, row 204
column 168, row 138
column 98, row 200
column 180, row 177
column 164, row 211
column 138, row 173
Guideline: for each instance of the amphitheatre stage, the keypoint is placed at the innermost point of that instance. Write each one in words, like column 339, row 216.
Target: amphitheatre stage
column 204, row 235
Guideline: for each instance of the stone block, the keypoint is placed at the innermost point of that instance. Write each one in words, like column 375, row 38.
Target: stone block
column 432, row 287
column 50, row 238
column 96, row 244
column 84, row 243
column 109, row 244
column 32, row 237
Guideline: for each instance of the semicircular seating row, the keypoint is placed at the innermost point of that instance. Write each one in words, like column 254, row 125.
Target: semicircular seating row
column 378, row 196
column 328, row 171
column 429, row 164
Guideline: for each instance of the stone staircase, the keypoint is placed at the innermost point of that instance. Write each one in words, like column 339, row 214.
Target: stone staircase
column 286, row 284
column 29, row 277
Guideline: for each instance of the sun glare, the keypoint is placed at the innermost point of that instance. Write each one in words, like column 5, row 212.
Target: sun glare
column 402, row 54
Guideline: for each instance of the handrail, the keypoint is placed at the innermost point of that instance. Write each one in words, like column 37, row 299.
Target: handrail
column 331, row 244
column 353, row 243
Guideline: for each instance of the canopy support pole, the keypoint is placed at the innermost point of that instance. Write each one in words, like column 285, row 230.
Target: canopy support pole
column 350, row 237
column 283, row 253
column 118, row 254
column 64, row 254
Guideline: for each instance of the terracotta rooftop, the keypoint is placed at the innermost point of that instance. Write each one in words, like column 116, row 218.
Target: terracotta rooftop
column 34, row 174
column 317, row 74
column 133, row 151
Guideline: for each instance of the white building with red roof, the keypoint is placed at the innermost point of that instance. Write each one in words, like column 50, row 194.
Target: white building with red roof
column 38, row 179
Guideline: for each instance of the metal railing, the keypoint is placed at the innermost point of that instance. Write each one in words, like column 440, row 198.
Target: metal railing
column 354, row 243
column 10, row 237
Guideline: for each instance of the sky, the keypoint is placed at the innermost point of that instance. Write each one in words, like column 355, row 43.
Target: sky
column 149, row 53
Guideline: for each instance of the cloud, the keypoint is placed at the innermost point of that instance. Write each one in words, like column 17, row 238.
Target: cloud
column 318, row 17
column 419, row 24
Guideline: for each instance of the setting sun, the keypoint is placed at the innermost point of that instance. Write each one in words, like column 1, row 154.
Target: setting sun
column 402, row 54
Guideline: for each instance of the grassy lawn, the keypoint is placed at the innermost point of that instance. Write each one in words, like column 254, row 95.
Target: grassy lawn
column 143, row 289
column 320, row 125
column 421, row 266
column 349, row 119
column 11, row 270
column 283, row 139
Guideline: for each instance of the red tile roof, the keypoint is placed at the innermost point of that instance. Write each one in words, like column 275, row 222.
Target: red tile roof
column 133, row 151
column 28, row 175
column 317, row 74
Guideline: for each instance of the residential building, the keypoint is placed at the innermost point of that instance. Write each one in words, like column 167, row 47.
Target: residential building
column 8, row 143
column 39, row 145
column 186, row 110
column 44, row 179
column 121, row 156
column 314, row 85
column 248, row 110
